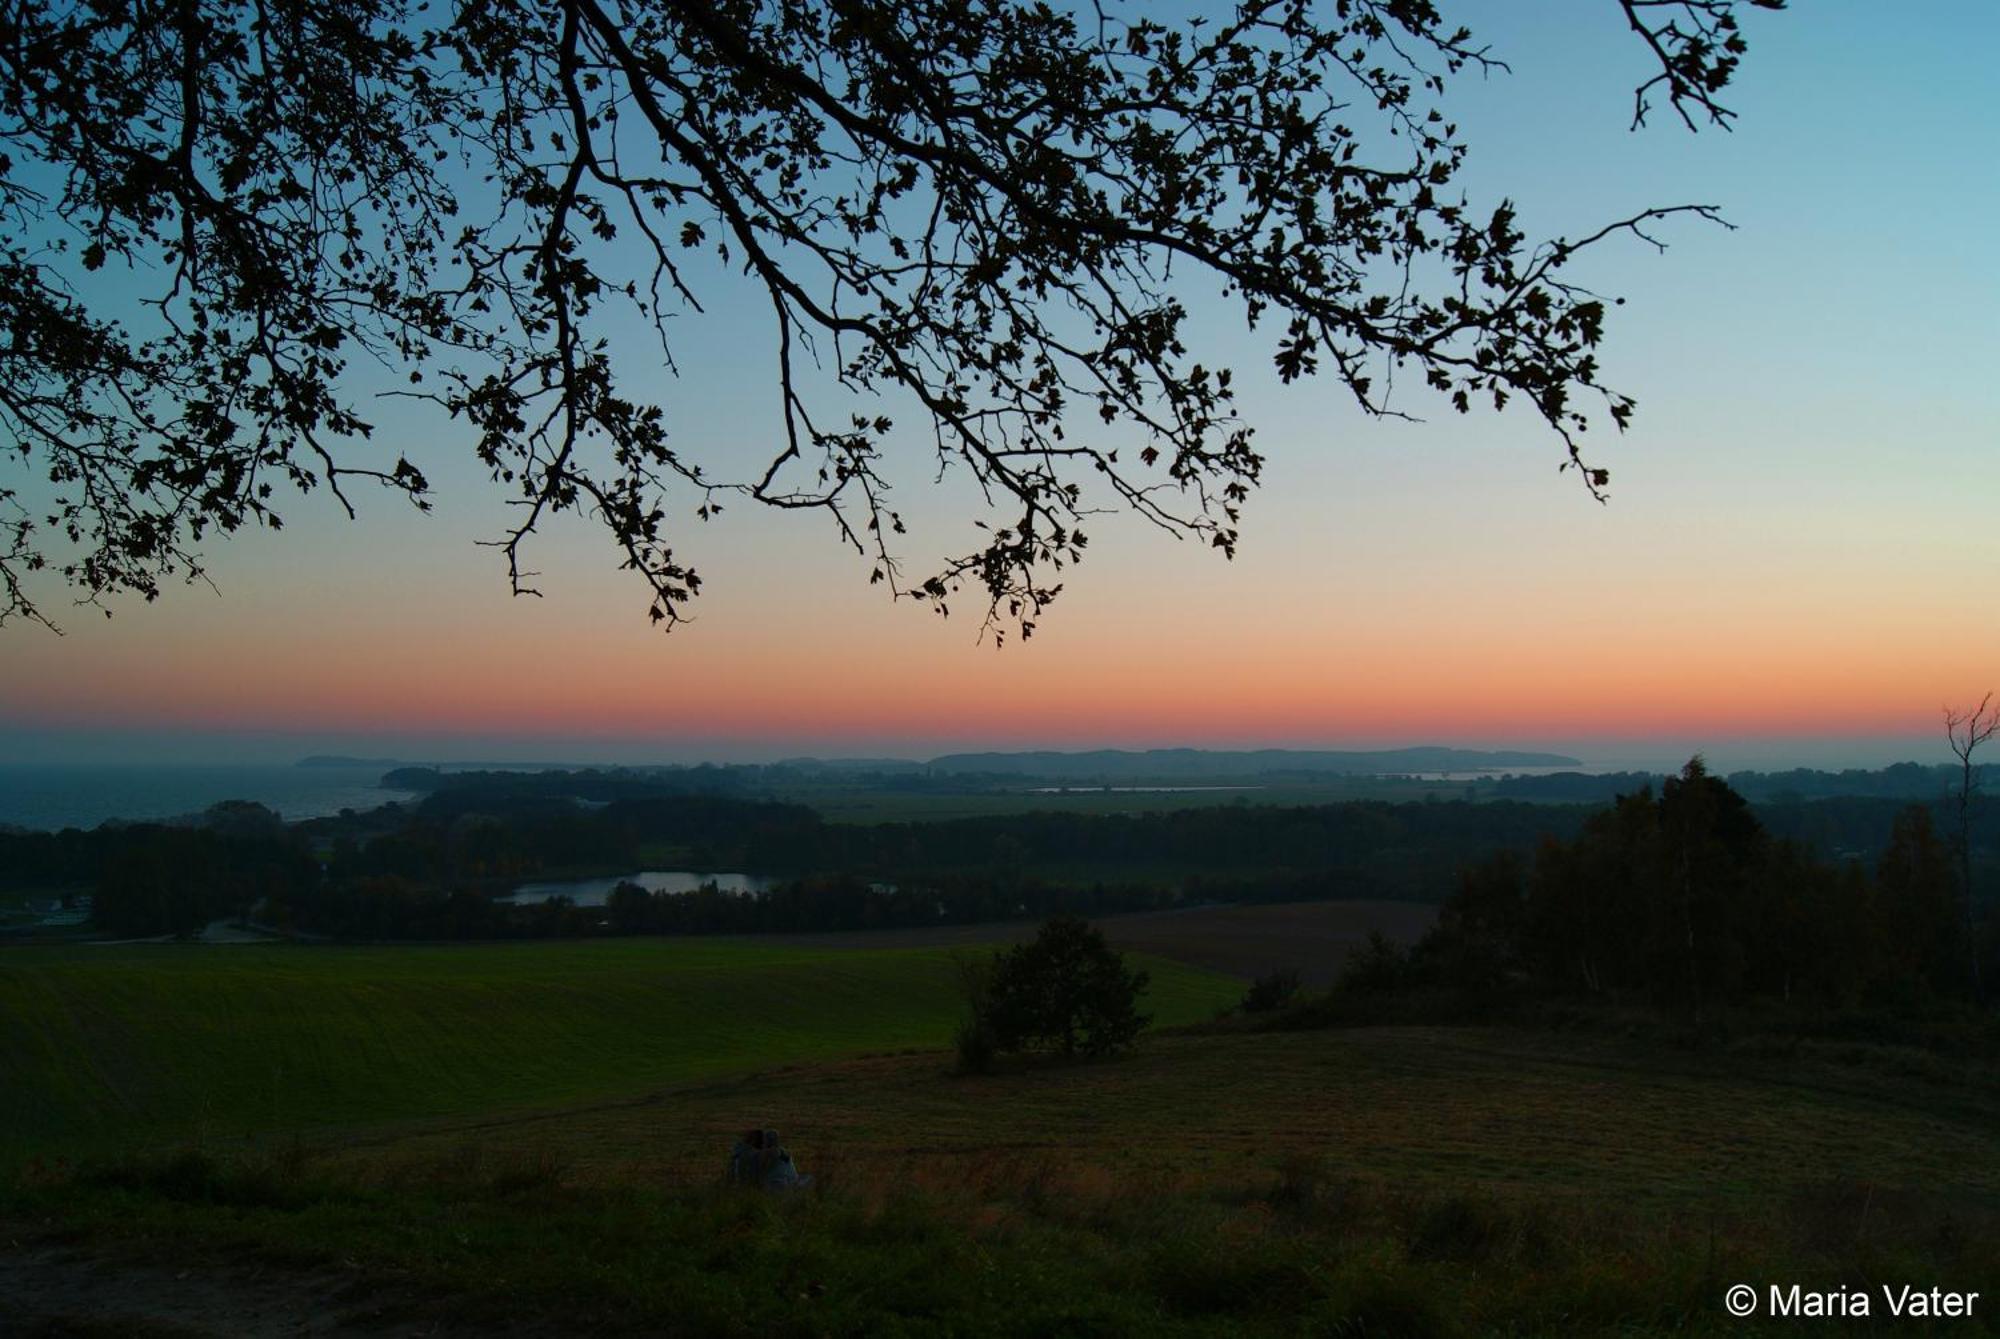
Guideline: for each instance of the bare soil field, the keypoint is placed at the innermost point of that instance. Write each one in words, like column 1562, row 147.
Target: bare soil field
column 1246, row 941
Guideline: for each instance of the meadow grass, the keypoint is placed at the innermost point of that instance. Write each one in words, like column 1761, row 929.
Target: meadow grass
column 1058, row 1252
column 538, row 1130
column 108, row 1045
column 1503, row 1111
column 1396, row 1181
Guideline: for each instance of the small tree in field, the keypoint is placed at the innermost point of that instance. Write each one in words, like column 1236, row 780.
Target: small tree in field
column 1272, row 991
column 1066, row 990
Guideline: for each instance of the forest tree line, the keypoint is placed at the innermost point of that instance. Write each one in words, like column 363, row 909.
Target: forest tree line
column 1683, row 897
column 437, row 869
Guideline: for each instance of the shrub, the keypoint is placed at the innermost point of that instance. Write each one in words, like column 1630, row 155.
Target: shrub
column 1271, row 991
column 193, row 1176
column 1458, row 1229
column 976, row 1045
column 1307, row 1188
column 1066, row 990
column 531, row 1171
column 1379, row 965
column 1388, row 1302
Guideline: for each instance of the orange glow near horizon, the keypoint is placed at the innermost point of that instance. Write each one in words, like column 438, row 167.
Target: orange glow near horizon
column 1071, row 690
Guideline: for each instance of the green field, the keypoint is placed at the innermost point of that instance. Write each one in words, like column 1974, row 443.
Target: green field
column 109, row 1044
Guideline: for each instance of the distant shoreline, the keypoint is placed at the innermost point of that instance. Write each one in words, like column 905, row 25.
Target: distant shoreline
column 55, row 798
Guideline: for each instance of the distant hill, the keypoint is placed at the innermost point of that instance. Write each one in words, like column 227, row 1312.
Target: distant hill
column 341, row 760
column 1193, row 764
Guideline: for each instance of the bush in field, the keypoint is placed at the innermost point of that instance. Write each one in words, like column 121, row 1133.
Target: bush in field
column 976, row 1045
column 1066, row 991
column 974, row 1041
column 1272, row 991
column 1380, row 964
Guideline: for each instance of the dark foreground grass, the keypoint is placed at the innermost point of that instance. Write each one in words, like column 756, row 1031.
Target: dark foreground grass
column 537, row 1131
column 1387, row 1181
column 1505, row 1110
column 1013, row 1246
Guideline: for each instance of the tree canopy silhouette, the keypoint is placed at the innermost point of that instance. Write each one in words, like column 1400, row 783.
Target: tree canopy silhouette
column 229, row 225
column 1066, row 990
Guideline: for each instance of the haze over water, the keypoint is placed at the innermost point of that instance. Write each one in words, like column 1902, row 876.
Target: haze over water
column 82, row 796
column 83, row 785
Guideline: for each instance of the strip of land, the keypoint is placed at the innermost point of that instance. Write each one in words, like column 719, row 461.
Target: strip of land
column 1313, row 938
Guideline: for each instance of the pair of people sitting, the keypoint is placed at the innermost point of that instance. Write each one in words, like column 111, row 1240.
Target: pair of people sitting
column 759, row 1160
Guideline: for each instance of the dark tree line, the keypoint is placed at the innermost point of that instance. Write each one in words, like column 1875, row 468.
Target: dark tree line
column 844, row 902
column 490, row 835
column 1599, row 901
column 1906, row 781
column 473, row 835
column 1388, row 849
column 386, row 907
column 432, row 871
column 163, row 880
column 1685, row 898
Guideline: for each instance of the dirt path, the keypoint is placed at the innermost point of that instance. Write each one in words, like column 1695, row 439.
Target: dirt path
column 51, row 1287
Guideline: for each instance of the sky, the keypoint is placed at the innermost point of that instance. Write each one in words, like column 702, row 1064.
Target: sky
column 1797, row 561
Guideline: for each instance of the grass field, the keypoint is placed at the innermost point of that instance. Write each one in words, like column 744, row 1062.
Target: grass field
column 1400, row 1181
column 532, row 1135
column 1495, row 1110
column 1245, row 941
column 110, row 1044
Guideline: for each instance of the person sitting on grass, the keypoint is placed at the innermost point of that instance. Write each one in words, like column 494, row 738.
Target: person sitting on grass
column 759, row 1160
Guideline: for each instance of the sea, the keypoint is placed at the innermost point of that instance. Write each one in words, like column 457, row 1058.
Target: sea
column 52, row 797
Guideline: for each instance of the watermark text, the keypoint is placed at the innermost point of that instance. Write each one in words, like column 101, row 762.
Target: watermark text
column 1890, row 1300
